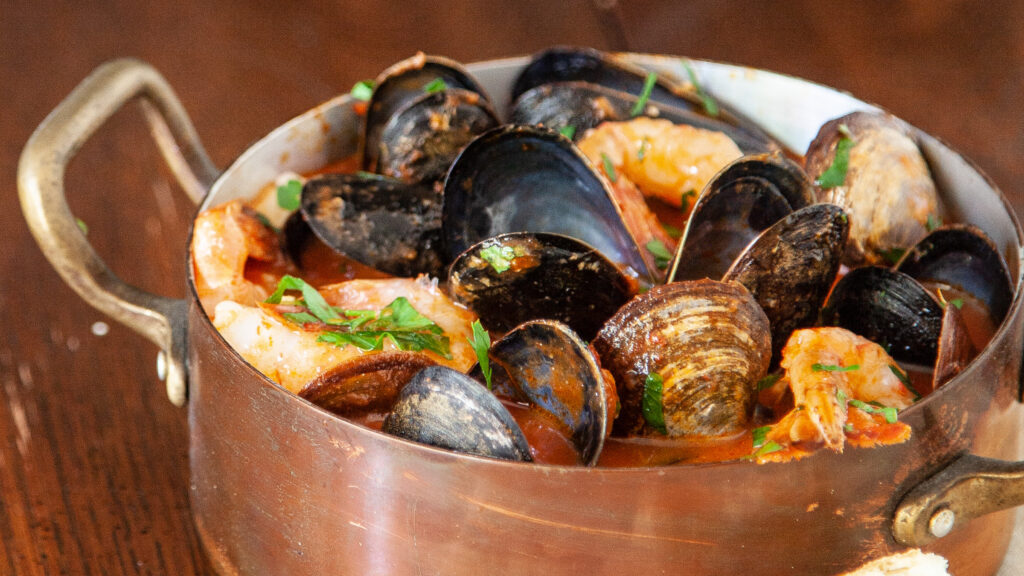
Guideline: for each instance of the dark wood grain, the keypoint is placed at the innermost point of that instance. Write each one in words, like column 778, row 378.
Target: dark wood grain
column 93, row 459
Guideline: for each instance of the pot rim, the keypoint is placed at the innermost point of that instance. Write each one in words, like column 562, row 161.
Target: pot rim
column 1003, row 332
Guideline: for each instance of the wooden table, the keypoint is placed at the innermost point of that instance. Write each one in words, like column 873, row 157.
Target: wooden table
column 93, row 467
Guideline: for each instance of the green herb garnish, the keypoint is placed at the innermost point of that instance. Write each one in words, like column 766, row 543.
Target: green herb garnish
column 932, row 223
column 760, row 436
column 887, row 411
column 289, row 195
column 568, row 131
column 362, row 90
column 893, row 255
column 499, row 257
column 958, row 302
column 833, row 368
column 310, row 298
column 266, row 222
column 481, row 343
column 642, row 151
column 435, row 85
column 768, row 381
column 661, row 254
column 652, row 406
column 82, row 226
column 645, row 95
column 609, row 168
column 672, row 231
column 905, row 380
column 710, row 106
column 835, row 175
column 684, row 200
column 768, row 448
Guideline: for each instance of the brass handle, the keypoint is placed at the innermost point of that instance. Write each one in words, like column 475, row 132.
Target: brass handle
column 969, row 487
column 41, row 189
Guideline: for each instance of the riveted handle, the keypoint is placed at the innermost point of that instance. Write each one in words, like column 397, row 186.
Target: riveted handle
column 969, row 487
column 41, row 189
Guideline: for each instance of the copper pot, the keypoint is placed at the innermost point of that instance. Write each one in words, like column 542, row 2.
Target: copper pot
column 280, row 486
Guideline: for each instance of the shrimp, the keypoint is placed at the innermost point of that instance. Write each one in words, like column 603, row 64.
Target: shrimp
column 842, row 385
column 224, row 240
column 664, row 160
column 292, row 356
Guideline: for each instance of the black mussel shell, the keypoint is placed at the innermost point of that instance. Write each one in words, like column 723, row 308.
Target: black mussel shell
column 964, row 258
column 584, row 106
column 511, row 278
column 402, row 83
column 545, row 364
column 365, row 384
column 791, row 266
column 531, row 179
column 420, row 141
column 443, row 407
column 709, row 342
column 889, row 308
column 741, row 201
column 386, row 224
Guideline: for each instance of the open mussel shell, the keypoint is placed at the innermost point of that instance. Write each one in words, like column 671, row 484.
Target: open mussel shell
column 531, row 179
column 888, row 190
column 743, row 199
column 368, row 383
column 402, row 83
column 710, row 343
column 420, row 141
column 443, row 407
column 964, row 258
column 389, row 225
column 583, row 106
column 545, row 364
column 511, row 278
column 791, row 266
column 889, row 308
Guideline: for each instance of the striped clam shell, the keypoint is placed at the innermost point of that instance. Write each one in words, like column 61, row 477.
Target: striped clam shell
column 709, row 341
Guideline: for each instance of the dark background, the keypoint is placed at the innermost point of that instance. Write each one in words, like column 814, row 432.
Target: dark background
column 93, row 459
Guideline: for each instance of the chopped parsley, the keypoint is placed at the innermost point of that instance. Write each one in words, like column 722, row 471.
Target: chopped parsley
column 672, row 231
column 887, row 411
column 362, row 90
column 266, row 222
column 652, row 407
column 568, row 131
column 499, row 257
column 768, row 381
column 710, row 106
column 397, row 322
column 661, row 254
column 767, row 448
column 893, row 255
column 835, row 175
column 932, row 223
column 833, row 368
column 289, row 195
column 609, row 168
column 684, row 200
column 82, row 226
column 645, row 95
column 481, row 343
column 957, row 302
column 760, row 436
column 905, row 380
column 435, row 85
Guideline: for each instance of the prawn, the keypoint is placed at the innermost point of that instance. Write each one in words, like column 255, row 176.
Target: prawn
column 224, row 240
column 292, row 356
column 845, row 388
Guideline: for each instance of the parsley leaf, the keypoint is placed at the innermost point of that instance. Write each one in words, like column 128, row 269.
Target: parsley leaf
column 710, row 106
column 568, row 131
column 499, row 257
column 835, row 175
column 661, row 254
column 289, row 195
column 833, row 368
column 313, row 300
column 932, row 223
column 672, row 231
column 362, row 90
column 768, row 448
column 887, row 411
column 481, row 343
column 768, row 381
column 958, row 302
column 609, row 168
column 760, row 435
column 905, row 380
column 893, row 255
column 82, row 226
column 653, row 409
column 645, row 95
column 684, row 200
column 435, row 85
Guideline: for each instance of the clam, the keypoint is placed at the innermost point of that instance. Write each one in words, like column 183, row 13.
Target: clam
column 531, row 179
column 708, row 341
column 887, row 189
column 443, row 407
column 511, row 278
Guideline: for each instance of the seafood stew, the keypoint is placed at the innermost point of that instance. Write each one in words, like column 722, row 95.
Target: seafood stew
column 765, row 204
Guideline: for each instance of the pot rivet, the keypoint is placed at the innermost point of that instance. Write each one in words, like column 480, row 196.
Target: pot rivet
column 942, row 522
column 161, row 366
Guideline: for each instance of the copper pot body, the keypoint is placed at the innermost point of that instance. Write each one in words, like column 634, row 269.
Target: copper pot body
column 280, row 486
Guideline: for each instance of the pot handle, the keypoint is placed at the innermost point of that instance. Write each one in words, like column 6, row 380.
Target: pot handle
column 41, row 188
column 969, row 487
